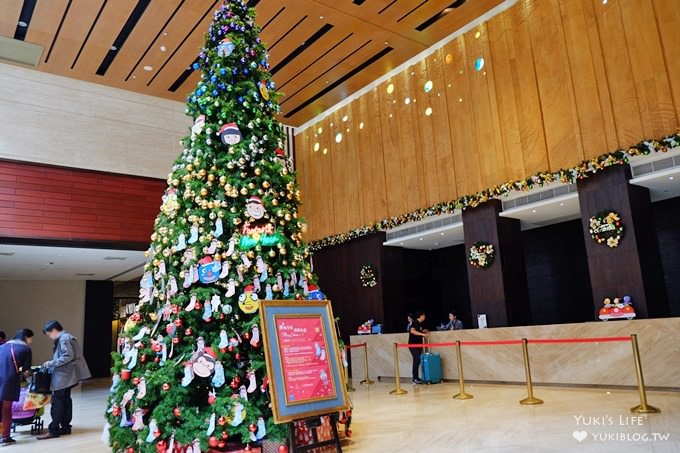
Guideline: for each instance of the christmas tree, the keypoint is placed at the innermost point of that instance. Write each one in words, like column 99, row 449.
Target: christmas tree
column 190, row 369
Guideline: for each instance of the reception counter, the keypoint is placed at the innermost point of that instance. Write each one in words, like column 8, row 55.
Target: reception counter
column 593, row 364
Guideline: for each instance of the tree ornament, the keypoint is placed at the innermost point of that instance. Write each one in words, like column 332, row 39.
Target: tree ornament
column 230, row 134
column 481, row 255
column 606, row 228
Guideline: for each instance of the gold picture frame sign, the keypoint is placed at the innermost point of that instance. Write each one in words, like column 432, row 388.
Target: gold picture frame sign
column 274, row 313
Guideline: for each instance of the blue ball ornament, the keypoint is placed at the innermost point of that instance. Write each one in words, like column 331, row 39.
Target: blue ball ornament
column 223, row 71
column 195, row 66
column 213, row 79
column 245, row 70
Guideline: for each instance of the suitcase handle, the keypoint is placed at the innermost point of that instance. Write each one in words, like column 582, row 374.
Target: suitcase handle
column 426, row 341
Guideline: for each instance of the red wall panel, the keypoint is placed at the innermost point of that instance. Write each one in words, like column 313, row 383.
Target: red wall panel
column 66, row 204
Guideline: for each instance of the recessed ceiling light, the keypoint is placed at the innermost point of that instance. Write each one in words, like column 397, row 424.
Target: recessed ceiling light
column 420, row 239
column 533, row 210
column 325, row 151
column 321, row 17
column 436, row 243
column 165, row 33
column 387, row 43
column 460, row 99
column 413, row 73
column 670, row 177
column 163, row 48
column 347, row 129
column 21, row 23
column 319, row 130
column 326, row 82
column 148, row 68
column 479, row 63
column 390, row 88
column 401, row 243
column 407, row 101
column 361, row 125
column 478, row 34
column 316, row 146
column 113, row 48
column 428, row 86
column 134, row 76
column 390, row 115
column 448, row 58
column 338, row 137
column 561, row 204
column 331, row 124
column 345, row 118
column 428, row 111
column 604, row 2
column 442, row 233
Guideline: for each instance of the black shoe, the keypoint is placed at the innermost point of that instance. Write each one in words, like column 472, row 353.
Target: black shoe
column 7, row 441
column 417, row 381
column 65, row 432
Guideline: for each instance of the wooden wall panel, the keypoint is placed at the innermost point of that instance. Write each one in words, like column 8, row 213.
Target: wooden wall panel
column 10, row 16
column 563, row 81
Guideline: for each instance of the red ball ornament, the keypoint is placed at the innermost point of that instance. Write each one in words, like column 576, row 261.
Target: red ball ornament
column 125, row 375
column 211, row 399
column 188, row 332
column 223, row 350
column 198, row 305
column 222, row 316
column 212, row 441
column 169, row 328
column 233, row 385
column 246, row 336
column 252, row 427
column 175, row 309
column 237, row 378
column 166, row 386
column 142, row 358
column 157, row 360
column 177, row 412
column 115, row 411
column 221, row 444
column 129, row 450
column 283, row 449
column 225, row 435
column 178, row 322
column 230, row 348
column 135, row 381
column 175, row 340
column 161, row 446
column 237, row 356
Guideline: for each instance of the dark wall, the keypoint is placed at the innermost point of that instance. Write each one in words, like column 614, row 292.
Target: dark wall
column 436, row 282
column 97, row 332
column 557, row 272
column 667, row 221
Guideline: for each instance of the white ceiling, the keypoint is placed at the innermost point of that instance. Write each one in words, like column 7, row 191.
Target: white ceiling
column 28, row 262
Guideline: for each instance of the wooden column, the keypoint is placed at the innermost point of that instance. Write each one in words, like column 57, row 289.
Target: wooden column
column 634, row 267
column 500, row 291
column 97, row 332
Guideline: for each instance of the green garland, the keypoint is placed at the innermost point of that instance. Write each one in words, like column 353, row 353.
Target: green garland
column 481, row 255
column 606, row 228
column 584, row 170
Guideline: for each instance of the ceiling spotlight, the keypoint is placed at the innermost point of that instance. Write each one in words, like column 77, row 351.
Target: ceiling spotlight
column 319, row 130
column 134, row 76
column 561, row 204
column 420, row 239
column 442, row 233
column 428, row 111
column 436, row 243
column 163, row 48
column 390, row 88
column 165, row 33
column 316, row 146
column 114, row 48
column 460, row 99
column 325, row 151
column 449, row 58
column 478, row 34
column 21, row 23
column 345, row 118
column 604, row 2
column 533, row 210
column 407, row 101
column 387, row 43
column 331, row 124
column 326, row 82
column 671, row 177
column 338, row 137
column 348, row 129
column 361, row 125
column 390, row 115
column 401, row 243
column 479, row 63
column 428, row 86
column 148, row 68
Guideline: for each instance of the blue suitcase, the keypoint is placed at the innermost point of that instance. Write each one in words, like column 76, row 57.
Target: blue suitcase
column 432, row 367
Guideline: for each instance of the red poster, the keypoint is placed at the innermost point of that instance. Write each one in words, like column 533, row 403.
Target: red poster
column 306, row 372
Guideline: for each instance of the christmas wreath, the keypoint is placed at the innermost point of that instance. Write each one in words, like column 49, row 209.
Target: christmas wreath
column 606, row 228
column 368, row 275
column 481, row 255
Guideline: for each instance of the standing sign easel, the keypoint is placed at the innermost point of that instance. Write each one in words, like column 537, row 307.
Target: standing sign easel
column 303, row 364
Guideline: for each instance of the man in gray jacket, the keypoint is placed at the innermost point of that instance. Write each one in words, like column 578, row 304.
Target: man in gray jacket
column 68, row 368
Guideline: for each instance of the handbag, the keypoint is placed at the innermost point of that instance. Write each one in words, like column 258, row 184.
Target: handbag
column 40, row 383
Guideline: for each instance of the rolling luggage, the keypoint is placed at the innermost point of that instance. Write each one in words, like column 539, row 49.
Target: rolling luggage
column 432, row 366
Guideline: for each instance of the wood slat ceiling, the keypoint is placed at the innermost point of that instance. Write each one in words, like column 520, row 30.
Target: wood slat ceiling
column 321, row 50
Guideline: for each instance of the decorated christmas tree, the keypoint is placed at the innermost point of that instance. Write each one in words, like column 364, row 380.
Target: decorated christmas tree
column 190, row 370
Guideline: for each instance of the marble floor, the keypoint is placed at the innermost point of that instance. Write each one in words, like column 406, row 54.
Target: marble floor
column 427, row 419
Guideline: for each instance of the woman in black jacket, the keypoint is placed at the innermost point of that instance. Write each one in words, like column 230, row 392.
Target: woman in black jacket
column 15, row 361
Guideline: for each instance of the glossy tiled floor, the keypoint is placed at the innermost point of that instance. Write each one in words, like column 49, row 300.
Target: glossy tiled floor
column 427, row 419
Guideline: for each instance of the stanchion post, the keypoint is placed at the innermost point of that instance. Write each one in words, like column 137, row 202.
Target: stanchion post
column 367, row 380
column 530, row 399
column 643, row 407
column 462, row 394
column 347, row 379
column 398, row 390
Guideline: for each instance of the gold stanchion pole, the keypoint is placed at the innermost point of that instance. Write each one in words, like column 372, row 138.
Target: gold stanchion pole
column 461, row 395
column 398, row 390
column 530, row 399
column 643, row 407
column 347, row 379
column 367, row 380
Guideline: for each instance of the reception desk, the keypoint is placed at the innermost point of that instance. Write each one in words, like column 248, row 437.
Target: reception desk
column 592, row 364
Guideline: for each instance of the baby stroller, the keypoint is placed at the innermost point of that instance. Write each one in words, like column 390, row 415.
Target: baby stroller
column 24, row 417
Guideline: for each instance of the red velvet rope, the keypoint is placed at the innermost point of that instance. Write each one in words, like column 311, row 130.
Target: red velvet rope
column 510, row 342
column 359, row 345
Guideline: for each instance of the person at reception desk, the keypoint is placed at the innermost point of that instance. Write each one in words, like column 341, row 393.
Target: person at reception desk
column 409, row 318
column 415, row 336
column 453, row 324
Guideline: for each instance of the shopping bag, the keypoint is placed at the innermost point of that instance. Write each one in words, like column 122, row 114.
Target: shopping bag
column 40, row 383
column 36, row 401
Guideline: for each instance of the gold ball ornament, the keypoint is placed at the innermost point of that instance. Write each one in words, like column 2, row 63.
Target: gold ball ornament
column 175, row 182
column 266, row 184
column 287, row 217
column 284, row 171
column 154, row 237
column 244, row 191
column 204, row 191
column 223, row 180
column 272, row 253
column 165, row 240
column 275, row 202
column 258, row 171
column 189, row 167
column 251, row 185
column 211, row 177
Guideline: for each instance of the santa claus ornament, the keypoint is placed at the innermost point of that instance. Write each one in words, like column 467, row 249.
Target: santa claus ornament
column 255, row 208
column 197, row 128
column 230, row 134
